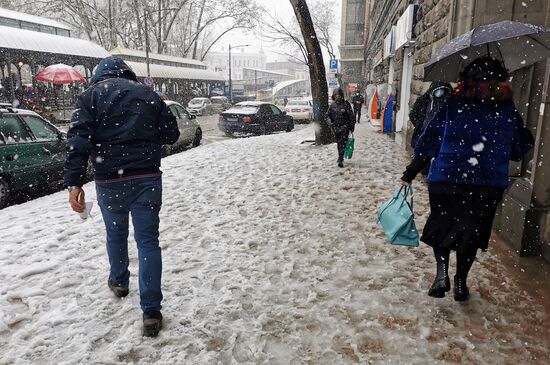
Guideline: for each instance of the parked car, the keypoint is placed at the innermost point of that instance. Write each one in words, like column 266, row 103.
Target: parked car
column 300, row 109
column 254, row 117
column 220, row 104
column 199, row 106
column 32, row 152
column 190, row 130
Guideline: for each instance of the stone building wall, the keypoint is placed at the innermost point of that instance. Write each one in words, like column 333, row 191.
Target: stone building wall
column 433, row 31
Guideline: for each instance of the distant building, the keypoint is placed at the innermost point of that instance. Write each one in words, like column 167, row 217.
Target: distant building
column 352, row 40
column 297, row 70
column 219, row 62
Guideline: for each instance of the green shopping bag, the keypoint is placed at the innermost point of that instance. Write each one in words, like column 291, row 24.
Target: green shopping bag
column 350, row 144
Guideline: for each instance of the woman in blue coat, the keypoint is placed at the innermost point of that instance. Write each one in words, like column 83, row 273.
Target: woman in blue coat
column 470, row 143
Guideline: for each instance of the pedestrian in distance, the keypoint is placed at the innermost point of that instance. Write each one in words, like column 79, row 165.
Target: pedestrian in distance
column 471, row 141
column 341, row 120
column 121, row 125
column 357, row 100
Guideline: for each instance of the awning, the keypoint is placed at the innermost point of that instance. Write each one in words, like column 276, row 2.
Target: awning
column 171, row 72
column 27, row 40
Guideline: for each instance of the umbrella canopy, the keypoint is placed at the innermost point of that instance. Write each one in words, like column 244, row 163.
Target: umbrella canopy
column 515, row 44
column 60, row 74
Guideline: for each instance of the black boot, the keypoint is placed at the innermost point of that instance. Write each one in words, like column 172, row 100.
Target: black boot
column 441, row 283
column 462, row 293
column 152, row 323
column 464, row 261
column 439, row 287
column 117, row 289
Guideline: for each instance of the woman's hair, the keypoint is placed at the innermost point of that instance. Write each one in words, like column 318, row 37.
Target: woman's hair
column 484, row 69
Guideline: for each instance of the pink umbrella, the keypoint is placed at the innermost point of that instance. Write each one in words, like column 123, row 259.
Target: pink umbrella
column 60, row 74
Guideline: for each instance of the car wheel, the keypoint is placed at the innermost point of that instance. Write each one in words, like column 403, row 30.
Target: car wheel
column 229, row 134
column 264, row 130
column 198, row 137
column 289, row 128
column 4, row 192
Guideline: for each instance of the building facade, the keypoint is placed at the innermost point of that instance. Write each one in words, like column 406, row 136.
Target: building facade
column 296, row 70
column 523, row 221
column 352, row 38
column 219, row 62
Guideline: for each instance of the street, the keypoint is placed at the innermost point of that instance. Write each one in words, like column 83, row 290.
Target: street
column 272, row 255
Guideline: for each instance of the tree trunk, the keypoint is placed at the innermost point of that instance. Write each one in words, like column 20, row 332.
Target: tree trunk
column 198, row 28
column 317, row 73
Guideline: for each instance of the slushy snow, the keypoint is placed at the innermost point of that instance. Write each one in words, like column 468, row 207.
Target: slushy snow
column 271, row 255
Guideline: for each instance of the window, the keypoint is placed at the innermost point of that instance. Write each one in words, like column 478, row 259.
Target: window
column 266, row 110
column 182, row 112
column 275, row 110
column 41, row 130
column 12, row 131
column 174, row 111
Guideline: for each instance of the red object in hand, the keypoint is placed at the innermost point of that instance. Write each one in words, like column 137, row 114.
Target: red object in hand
column 60, row 74
column 247, row 119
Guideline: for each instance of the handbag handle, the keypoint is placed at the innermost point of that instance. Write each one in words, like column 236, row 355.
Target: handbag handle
column 408, row 192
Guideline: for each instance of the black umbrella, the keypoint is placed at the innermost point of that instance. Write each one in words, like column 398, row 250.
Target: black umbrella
column 515, row 44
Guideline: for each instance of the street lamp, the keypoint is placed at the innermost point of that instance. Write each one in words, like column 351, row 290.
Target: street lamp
column 230, row 85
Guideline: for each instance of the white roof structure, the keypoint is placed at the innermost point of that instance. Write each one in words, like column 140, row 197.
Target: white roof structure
column 281, row 85
column 5, row 13
column 171, row 72
column 22, row 39
column 162, row 57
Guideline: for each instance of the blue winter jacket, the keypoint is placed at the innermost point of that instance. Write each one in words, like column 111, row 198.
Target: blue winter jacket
column 472, row 141
column 119, row 123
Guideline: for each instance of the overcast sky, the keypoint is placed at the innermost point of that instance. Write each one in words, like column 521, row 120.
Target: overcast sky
column 283, row 10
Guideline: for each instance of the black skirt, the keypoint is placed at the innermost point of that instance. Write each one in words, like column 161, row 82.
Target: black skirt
column 461, row 216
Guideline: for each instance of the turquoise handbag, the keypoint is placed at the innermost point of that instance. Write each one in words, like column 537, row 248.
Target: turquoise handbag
column 397, row 219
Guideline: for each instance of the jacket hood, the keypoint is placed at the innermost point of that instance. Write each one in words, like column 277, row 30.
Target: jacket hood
column 112, row 67
column 437, row 84
column 484, row 90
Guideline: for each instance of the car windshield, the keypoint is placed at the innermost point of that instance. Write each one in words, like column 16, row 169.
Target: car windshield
column 298, row 102
column 196, row 102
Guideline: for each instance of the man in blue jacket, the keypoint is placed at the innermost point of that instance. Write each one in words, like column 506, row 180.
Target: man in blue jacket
column 121, row 125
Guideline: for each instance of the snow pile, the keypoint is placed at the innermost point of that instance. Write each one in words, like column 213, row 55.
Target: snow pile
column 271, row 256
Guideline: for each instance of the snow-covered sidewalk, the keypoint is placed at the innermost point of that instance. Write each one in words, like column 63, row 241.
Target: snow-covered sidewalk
column 272, row 255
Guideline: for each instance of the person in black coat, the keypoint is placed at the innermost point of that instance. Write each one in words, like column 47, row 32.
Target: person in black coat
column 121, row 126
column 427, row 106
column 470, row 142
column 342, row 121
column 357, row 101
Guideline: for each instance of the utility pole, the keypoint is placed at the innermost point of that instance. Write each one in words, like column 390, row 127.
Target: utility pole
column 256, row 83
column 230, row 83
column 230, row 86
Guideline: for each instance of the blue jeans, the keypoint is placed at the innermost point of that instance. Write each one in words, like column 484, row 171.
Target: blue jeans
column 142, row 198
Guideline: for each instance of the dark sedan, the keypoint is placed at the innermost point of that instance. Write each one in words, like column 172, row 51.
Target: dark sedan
column 254, row 117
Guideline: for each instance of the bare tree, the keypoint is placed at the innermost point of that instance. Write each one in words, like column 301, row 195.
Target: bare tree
column 181, row 27
column 319, row 87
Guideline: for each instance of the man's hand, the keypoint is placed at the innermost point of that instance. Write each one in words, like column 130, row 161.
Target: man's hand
column 404, row 183
column 76, row 199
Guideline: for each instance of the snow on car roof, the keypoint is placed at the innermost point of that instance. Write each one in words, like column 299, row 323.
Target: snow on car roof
column 22, row 39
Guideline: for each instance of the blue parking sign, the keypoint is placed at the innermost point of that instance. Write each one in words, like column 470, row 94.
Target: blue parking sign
column 333, row 65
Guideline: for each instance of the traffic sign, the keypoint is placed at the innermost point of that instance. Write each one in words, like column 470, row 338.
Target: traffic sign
column 333, row 66
column 333, row 83
column 148, row 81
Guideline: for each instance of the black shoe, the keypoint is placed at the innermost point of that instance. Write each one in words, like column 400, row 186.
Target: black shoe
column 119, row 290
column 152, row 323
column 340, row 163
column 439, row 287
column 462, row 293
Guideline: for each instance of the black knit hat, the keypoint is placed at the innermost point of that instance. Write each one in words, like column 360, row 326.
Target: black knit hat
column 484, row 69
